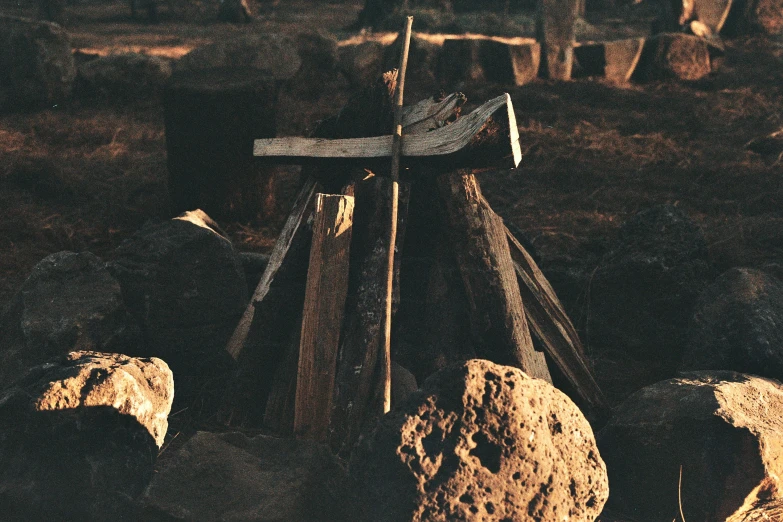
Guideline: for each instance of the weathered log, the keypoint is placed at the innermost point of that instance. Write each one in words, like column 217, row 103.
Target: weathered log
column 616, row 60
column 357, row 397
column 327, row 287
column 556, row 28
column 554, row 329
column 211, row 119
column 486, row 136
column 498, row 320
column 470, row 61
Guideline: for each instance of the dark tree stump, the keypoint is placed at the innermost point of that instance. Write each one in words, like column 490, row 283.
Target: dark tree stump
column 212, row 118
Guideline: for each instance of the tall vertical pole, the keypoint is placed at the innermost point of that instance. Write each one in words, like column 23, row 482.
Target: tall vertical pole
column 395, row 177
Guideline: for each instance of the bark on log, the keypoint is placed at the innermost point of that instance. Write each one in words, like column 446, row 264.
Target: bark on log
column 211, row 119
column 498, row 320
column 327, row 287
column 471, row 61
column 357, row 394
column 556, row 22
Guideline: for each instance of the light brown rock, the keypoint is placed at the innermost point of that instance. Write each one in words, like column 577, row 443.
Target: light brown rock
column 481, row 441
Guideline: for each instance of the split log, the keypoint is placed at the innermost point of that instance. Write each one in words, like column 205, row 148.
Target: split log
column 498, row 320
column 471, row 61
column 554, row 329
column 487, row 136
column 358, row 397
column 556, row 28
column 327, row 287
column 211, row 119
column 615, row 60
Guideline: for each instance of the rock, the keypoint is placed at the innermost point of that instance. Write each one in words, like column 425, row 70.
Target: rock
column 185, row 285
column 481, row 441
column 756, row 16
column 69, row 302
column 403, row 384
column 674, row 55
column 724, row 429
column 319, row 70
column 79, row 435
column 272, row 53
column 229, row 476
column 643, row 291
column 36, row 64
column 234, row 11
column 738, row 325
column 361, row 63
column 129, row 75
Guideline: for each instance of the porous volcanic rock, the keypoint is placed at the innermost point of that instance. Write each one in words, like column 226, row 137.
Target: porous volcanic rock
column 481, row 441
column 643, row 291
column 184, row 284
column 69, row 302
column 230, row 476
column 723, row 429
column 127, row 75
column 674, row 55
column 36, row 64
column 272, row 53
column 738, row 325
column 79, row 436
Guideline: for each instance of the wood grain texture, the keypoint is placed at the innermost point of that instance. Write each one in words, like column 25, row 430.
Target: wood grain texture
column 498, row 320
column 327, row 287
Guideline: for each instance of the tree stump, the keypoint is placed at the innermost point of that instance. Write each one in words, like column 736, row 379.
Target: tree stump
column 212, row 117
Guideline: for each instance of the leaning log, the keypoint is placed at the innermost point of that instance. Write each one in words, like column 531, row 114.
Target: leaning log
column 487, row 136
column 498, row 319
column 327, row 287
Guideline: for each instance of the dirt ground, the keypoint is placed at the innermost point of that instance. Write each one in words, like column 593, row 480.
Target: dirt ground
column 86, row 174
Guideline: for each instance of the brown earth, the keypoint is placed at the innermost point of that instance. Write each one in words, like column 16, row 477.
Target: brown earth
column 86, row 174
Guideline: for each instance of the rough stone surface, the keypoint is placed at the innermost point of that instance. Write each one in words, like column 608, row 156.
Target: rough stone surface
column 726, row 431
column 79, row 436
column 738, row 325
column 643, row 291
column 319, row 71
column 481, row 441
column 361, row 63
column 272, row 53
column 36, row 64
column 229, row 476
column 126, row 75
column 675, row 55
column 185, row 285
column 69, row 302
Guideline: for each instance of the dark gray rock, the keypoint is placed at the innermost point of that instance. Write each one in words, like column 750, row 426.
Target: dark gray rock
column 642, row 293
column 480, row 441
column 129, row 75
column 738, row 325
column 79, row 436
column 69, row 302
column 723, row 429
column 184, row 284
column 36, row 64
column 230, row 476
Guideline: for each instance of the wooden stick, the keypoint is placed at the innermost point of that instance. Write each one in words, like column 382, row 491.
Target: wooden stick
column 395, row 177
column 327, row 287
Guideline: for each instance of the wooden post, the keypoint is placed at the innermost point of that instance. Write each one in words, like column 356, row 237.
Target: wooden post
column 327, row 286
column 498, row 318
column 556, row 22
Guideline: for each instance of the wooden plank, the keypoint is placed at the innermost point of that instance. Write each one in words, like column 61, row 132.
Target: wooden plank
column 498, row 320
column 490, row 132
column 327, row 286
column 357, row 394
column 552, row 326
column 556, row 28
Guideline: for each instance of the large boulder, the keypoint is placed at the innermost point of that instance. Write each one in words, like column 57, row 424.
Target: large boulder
column 481, row 441
column 722, row 430
column 79, row 436
column 36, row 63
column 69, row 302
column 185, row 285
column 230, row 476
column 738, row 325
column 272, row 53
column 643, row 291
column 127, row 75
